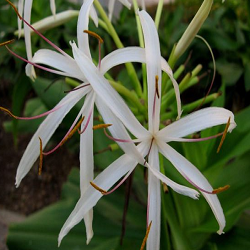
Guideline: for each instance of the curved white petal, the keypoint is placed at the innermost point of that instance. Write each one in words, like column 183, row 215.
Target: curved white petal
column 86, row 158
column 154, row 201
column 105, row 180
column 30, row 72
column 118, row 130
column 197, row 121
column 53, row 7
column 58, row 61
column 46, row 130
column 136, row 54
column 109, row 96
column 190, row 172
column 126, row 3
column 19, row 21
column 83, row 24
column 153, row 64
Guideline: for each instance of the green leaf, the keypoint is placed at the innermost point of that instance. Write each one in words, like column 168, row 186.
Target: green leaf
column 247, row 76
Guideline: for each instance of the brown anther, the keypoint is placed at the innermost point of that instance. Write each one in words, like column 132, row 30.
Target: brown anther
column 165, row 188
column 41, row 157
column 221, row 189
column 7, row 42
column 73, row 131
column 91, row 33
column 102, row 191
column 224, row 135
column 156, row 86
column 100, row 126
column 15, row 9
column 146, row 236
column 8, row 112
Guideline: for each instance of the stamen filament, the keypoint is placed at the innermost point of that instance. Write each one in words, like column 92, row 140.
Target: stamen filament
column 100, row 126
column 146, row 158
column 36, row 65
column 156, row 86
column 87, row 123
column 7, row 42
column 41, row 157
column 30, row 118
column 115, row 139
column 36, row 31
column 146, row 236
column 224, row 135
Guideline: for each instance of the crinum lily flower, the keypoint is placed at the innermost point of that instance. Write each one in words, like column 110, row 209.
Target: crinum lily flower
column 67, row 66
column 151, row 142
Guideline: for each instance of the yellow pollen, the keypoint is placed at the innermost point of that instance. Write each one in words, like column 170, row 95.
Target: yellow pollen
column 165, row 188
column 102, row 191
column 99, row 126
column 15, row 9
column 221, row 189
column 224, row 135
column 91, row 33
column 146, row 236
column 41, row 157
column 7, row 42
column 156, row 86
column 8, row 112
column 72, row 131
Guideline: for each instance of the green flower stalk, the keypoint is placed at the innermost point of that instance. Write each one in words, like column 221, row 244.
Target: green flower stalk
column 191, row 31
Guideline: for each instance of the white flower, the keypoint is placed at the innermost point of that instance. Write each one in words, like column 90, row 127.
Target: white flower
column 152, row 141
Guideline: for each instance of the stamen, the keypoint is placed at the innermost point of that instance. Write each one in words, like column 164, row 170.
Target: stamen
column 72, row 131
column 146, row 236
column 30, row 118
column 103, row 192
column 100, row 41
column 165, row 188
column 91, row 33
column 224, row 135
column 99, row 126
column 156, row 86
column 66, row 137
column 115, row 139
column 36, row 31
column 221, row 189
column 68, row 91
column 41, row 157
column 87, row 123
column 7, row 42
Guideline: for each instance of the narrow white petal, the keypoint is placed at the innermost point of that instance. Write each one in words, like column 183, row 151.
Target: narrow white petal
column 189, row 171
column 118, row 130
column 86, row 159
column 109, row 96
column 153, row 64
column 111, row 5
column 126, row 3
column 94, row 15
column 53, row 7
column 105, row 180
column 197, row 121
column 45, row 131
column 83, row 24
column 30, row 72
column 154, row 202
column 58, row 61
column 19, row 21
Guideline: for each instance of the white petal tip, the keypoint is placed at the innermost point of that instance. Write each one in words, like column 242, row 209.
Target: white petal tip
column 90, row 236
column 220, row 232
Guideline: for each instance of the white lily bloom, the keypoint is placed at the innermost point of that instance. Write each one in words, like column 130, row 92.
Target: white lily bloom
column 152, row 142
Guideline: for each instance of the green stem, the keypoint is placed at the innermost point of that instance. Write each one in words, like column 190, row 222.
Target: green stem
column 71, row 82
column 112, row 32
column 158, row 13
